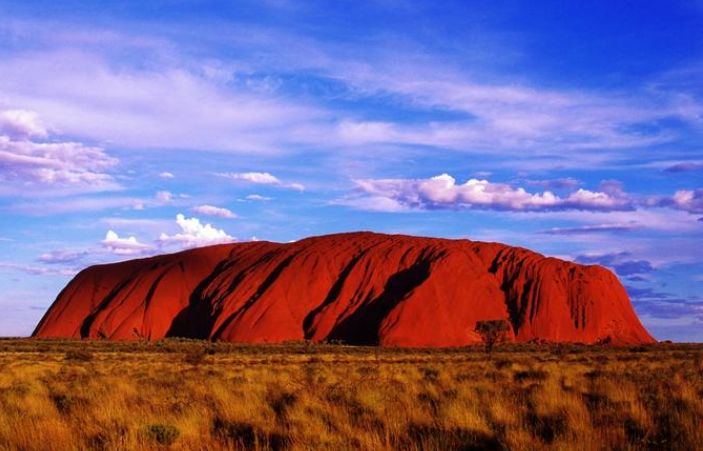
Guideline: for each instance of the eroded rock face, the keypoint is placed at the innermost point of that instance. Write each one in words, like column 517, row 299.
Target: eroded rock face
column 361, row 288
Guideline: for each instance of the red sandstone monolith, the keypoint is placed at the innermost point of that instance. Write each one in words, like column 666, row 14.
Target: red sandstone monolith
column 359, row 288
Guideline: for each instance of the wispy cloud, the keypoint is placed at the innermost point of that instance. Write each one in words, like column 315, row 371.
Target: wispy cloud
column 30, row 166
column 687, row 200
column 171, row 106
column 38, row 270
column 163, row 197
column 78, row 204
column 211, row 210
column 509, row 118
column 62, row 256
column 21, row 124
column 592, row 228
column 671, row 308
column 654, row 218
column 257, row 197
column 261, row 178
column 621, row 262
column 560, row 183
column 177, row 103
column 686, row 166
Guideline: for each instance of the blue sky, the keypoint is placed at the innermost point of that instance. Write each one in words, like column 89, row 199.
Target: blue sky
column 572, row 128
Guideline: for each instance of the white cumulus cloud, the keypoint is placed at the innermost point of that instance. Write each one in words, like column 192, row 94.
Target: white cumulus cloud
column 124, row 246
column 443, row 191
column 194, row 233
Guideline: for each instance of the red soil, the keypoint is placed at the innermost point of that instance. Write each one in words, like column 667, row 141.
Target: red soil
column 361, row 288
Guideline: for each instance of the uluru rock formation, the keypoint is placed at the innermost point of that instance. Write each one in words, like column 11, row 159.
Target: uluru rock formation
column 359, row 288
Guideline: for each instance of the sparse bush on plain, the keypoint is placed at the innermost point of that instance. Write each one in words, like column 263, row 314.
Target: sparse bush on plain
column 492, row 332
column 530, row 375
column 162, row 434
column 79, row 355
column 502, row 363
column 246, row 436
column 195, row 356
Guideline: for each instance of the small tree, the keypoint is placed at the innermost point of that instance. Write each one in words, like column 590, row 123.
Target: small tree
column 492, row 332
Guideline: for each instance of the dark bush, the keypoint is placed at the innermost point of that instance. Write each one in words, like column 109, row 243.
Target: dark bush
column 432, row 437
column 593, row 374
column 79, row 355
column 597, row 401
column 634, row 432
column 195, row 356
column 547, row 427
column 281, row 402
column 502, row 363
column 66, row 403
column 430, row 374
column 163, row 434
column 99, row 442
column 640, row 349
column 493, row 332
column 530, row 375
column 429, row 400
column 247, row 436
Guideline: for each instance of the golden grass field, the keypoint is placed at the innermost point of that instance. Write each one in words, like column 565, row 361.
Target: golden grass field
column 72, row 395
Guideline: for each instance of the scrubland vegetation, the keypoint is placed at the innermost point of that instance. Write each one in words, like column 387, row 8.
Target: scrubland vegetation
column 69, row 395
